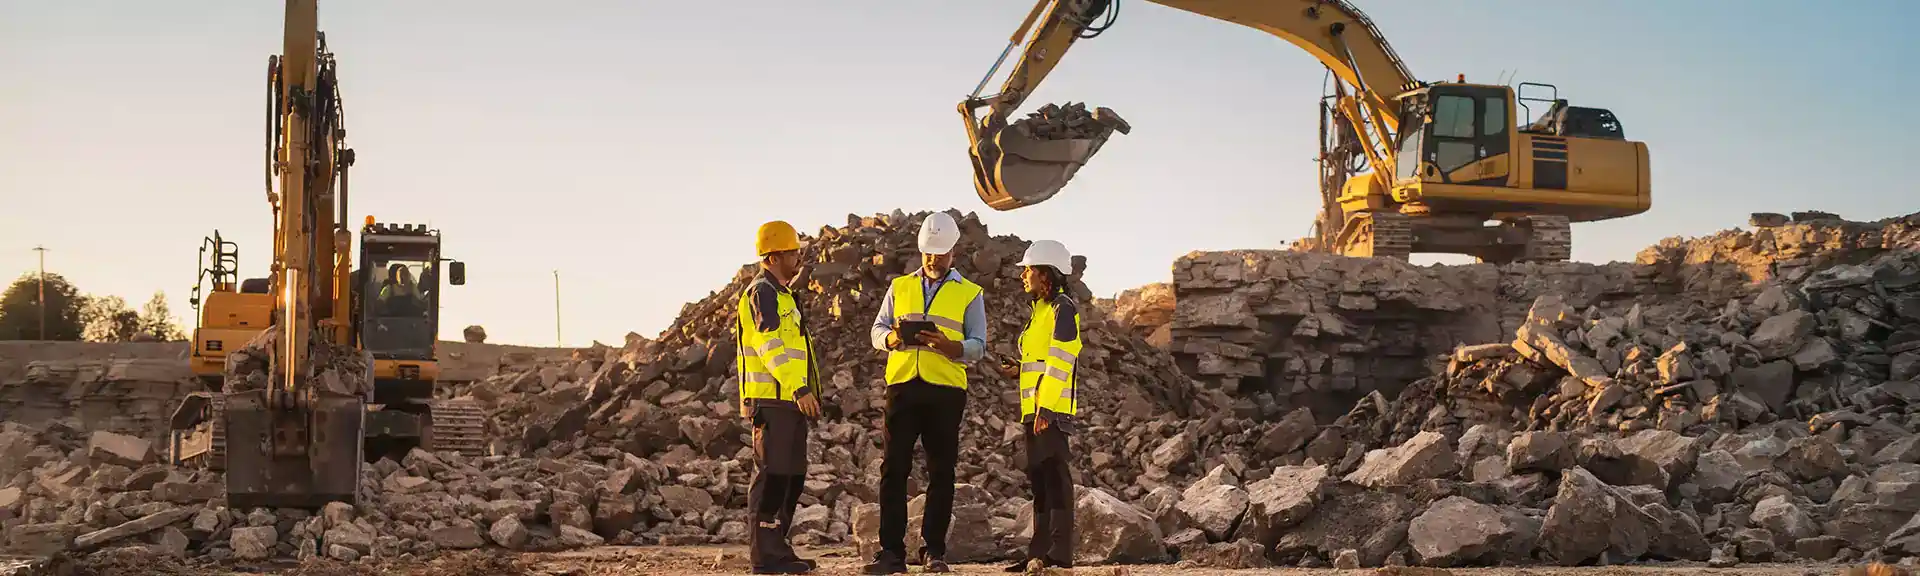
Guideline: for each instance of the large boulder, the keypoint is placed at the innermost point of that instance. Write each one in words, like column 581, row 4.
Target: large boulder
column 1785, row 520
column 1215, row 507
column 1457, row 530
column 1283, row 500
column 1539, row 451
column 1113, row 531
column 1579, row 525
column 1425, row 455
column 1371, row 522
column 1673, row 453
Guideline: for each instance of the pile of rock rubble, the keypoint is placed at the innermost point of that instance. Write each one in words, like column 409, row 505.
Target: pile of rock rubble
column 1775, row 423
column 63, row 495
column 671, row 400
column 1777, row 427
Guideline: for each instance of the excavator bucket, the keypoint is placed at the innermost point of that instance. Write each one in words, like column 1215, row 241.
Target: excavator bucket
column 303, row 452
column 1029, row 161
column 293, row 459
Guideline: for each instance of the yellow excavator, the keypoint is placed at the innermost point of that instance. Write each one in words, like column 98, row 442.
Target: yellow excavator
column 300, row 438
column 1406, row 166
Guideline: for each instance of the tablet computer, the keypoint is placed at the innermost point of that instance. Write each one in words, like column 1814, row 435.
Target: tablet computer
column 910, row 331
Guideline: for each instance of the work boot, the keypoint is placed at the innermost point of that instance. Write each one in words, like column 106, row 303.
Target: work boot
column 886, row 562
column 930, row 562
column 811, row 564
column 784, row 567
column 1017, row 567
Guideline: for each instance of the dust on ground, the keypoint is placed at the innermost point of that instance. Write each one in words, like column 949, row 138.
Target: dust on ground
column 729, row 560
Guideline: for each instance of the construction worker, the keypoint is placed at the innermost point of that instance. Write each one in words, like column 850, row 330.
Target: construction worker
column 926, row 390
column 777, row 373
column 1049, row 348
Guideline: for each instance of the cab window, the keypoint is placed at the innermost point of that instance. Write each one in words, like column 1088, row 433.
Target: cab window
column 1453, row 117
column 1494, row 122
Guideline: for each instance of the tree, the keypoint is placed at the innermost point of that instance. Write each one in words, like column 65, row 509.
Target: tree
column 20, row 309
column 157, row 323
column 107, row 319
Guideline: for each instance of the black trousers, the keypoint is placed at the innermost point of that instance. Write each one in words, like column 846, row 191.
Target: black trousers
column 1053, row 498
column 779, row 475
column 931, row 414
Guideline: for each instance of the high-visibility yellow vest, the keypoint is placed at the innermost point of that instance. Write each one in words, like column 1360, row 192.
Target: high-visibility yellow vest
column 1046, row 364
column 948, row 313
column 773, row 365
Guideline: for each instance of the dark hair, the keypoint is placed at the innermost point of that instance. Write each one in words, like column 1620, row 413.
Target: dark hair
column 1056, row 280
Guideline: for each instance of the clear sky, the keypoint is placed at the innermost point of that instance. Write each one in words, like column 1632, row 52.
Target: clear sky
column 635, row 145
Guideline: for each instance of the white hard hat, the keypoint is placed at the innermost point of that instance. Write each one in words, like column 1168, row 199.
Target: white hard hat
column 1048, row 253
column 938, row 234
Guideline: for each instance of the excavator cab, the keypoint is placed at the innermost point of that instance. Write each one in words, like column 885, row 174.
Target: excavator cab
column 397, row 306
column 1464, row 158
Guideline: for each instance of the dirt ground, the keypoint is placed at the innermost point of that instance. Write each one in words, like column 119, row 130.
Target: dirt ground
column 714, row 561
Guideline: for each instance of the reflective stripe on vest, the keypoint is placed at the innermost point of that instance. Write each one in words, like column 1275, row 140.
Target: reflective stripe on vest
column 773, row 365
column 948, row 314
column 1046, row 365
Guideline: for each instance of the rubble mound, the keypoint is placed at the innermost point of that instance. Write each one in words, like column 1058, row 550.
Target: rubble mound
column 1341, row 413
column 1729, row 263
column 1774, row 428
column 1147, row 311
column 672, row 400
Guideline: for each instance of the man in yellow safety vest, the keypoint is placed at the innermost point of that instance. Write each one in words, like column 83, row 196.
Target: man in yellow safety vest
column 926, row 390
column 777, row 372
column 1049, row 349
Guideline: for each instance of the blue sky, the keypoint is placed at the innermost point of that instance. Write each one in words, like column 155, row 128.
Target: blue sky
column 634, row 146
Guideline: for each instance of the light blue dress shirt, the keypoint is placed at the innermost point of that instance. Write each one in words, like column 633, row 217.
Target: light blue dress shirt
column 974, row 325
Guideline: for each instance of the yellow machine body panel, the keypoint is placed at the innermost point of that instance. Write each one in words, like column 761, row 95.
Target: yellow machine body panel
column 424, row 370
column 228, row 320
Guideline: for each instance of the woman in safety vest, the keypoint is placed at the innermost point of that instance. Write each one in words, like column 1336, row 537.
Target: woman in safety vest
column 1049, row 347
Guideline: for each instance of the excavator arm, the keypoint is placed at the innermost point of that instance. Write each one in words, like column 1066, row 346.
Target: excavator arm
column 1013, row 169
column 295, row 441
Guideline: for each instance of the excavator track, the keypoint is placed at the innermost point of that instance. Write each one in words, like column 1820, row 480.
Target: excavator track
column 1378, row 235
column 1549, row 239
column 459, row 425
column 215, row 458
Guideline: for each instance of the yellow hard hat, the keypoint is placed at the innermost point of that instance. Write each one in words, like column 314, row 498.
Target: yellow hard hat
column 776, row 236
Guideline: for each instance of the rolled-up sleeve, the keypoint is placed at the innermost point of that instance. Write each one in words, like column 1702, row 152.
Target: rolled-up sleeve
column 974, row 328
column 883, row 322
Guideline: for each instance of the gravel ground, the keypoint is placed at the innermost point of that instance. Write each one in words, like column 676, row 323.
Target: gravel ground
column 714, row 561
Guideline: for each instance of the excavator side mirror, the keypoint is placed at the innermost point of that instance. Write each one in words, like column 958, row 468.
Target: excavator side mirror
column 457, row 273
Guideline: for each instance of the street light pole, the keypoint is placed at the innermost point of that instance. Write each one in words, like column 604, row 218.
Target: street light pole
column 557, row 340
column 43, row 291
